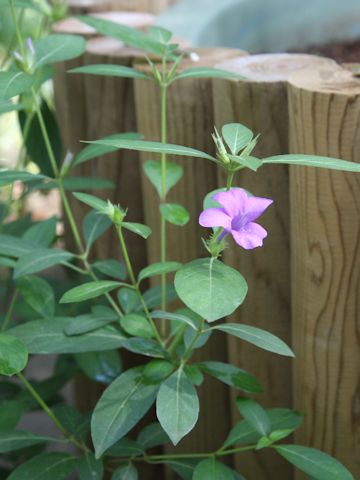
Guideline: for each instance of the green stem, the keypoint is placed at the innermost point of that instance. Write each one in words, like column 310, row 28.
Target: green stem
column 230, row 179
column 17, row 29
column 10, row 311
column 163, row 194
column 135, row 284
column 50, row 413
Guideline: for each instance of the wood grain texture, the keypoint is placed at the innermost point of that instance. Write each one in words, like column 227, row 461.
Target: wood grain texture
column 260, row 103
column 89, row 6
column 325, row 238
column 190, row 122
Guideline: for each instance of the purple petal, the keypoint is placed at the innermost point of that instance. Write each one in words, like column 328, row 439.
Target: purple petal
column 256, row 207
column 30, row 45
column 251, row 236
column 234, row 201
column 215, row 217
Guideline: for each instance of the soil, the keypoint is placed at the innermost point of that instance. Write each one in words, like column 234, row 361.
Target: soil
column 345, row 52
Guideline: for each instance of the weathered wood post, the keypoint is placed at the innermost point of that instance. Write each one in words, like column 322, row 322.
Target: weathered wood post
column 325, row 230
column 260, row 103
column 190, row 122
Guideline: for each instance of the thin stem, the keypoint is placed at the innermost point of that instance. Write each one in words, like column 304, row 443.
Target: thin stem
column 10, row 311
column 50, row 413
column 17, row 29
column 230, row 179
column 163, row 193
column 135, row 284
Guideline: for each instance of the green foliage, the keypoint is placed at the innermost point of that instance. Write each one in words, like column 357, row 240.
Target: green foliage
column 45, row 467
column 13, row 355
column 110, row 71
column 158, row 269
column 89, row 290
column 57, row 48
column 14, row 83
column 211, row 469
column 210, row 288
column 101, row 367
column 15, row 439
column 40, row 259
column 120, row 407
column 175, row 213
column 153, row 172
column 177, row 406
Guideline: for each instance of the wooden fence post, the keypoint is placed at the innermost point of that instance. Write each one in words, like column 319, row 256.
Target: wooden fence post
column 260, row 103
column 190, row 122
column 89, row 6
column 325, row 231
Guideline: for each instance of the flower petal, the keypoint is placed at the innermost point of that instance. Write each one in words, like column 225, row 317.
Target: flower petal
column 251, row 236
column 256, row 207
column 234, row 201
column 215, row 217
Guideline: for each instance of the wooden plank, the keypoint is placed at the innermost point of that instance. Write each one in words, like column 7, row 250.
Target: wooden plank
column 260, row 103
column 325, row 206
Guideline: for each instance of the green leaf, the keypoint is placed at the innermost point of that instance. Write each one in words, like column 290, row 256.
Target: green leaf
column 158, row 269
column 314, row 161
column 143, row 230
column 89, row 290
column 57, row 48
column 210, row 288
column 144, row 346
column 247, row 161
column 8, row 106
column 40, row 259
column 120, row 407
column 256, row 336
column 160, row 34
column 7, row 177
column 175, row 213
column 158, row 370
column 13, row 83
column 74, row 422
column 236, row 136
column 255, row 415
column 13, row 355
column 129, row 300
column 11, row 412
column 211, row 469
column 94, row 225
column 87, row 183
column 154, row 147
column 152, row 435
column 194, row 374
column 109, row 71
column 130, row 36
column 45, row 466
column 206, row 72
column 13, row 246
column 152, row 296
column 89, row 468
column 7, row 262
column 93, row 202
column 111, row 268
column 87, row 323
column 136, row 325
column 93, row 151
column 177, row 406
column 315, row 463
column 184, row 468
column 38, row 294
column 153, row 170
column 101, row 367
column 231, row 375
column 41, row 234
column 15, row 439
column 243, row 433
column 127, row 471
column 126, row 447
column 47, row 336
column 35, row 144
column 174, row 316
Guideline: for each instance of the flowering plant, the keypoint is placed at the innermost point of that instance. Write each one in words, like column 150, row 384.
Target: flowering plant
column 87, row 324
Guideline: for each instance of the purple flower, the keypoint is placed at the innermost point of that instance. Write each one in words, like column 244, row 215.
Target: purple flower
column 237, row 216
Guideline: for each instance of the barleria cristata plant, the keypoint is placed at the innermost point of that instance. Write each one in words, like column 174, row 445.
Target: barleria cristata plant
column 108, row 307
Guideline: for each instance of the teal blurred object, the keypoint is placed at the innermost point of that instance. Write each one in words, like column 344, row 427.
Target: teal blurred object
column 263, row 25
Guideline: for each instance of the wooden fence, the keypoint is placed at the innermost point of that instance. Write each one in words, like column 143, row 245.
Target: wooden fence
column 304, row 282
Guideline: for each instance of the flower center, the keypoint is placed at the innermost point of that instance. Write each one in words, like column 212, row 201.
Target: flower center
column 239, row 221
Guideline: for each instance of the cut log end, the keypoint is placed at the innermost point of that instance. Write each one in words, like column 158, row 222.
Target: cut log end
column 275, row 67
column 328, row 79
column 72, row 25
